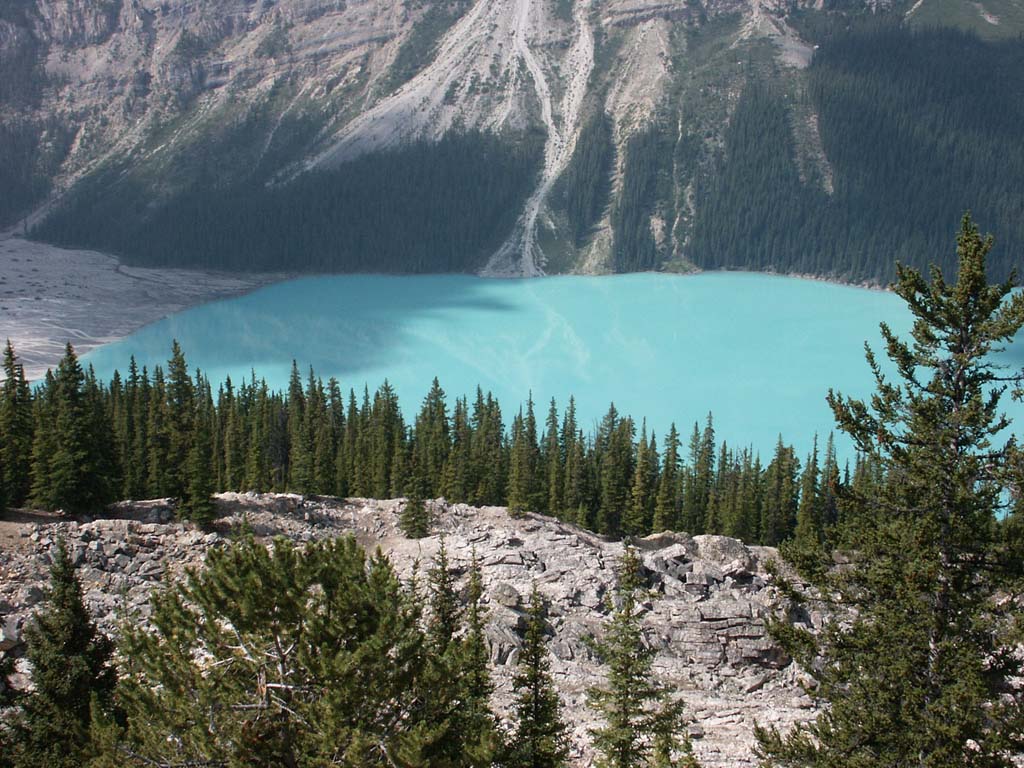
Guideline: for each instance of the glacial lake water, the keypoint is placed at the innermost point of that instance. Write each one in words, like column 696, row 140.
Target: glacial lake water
column 760, row 352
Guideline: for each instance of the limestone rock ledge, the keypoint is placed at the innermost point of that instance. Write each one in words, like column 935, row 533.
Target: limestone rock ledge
column 711, row 595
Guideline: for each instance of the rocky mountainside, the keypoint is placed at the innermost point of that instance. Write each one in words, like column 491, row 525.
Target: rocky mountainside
column 710, row 597
column 128, row 107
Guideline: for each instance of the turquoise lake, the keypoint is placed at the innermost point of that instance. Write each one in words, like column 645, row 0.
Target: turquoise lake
column 760, row 352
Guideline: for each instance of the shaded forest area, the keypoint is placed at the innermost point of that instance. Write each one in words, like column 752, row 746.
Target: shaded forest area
column 917, row 126
column 422, row 208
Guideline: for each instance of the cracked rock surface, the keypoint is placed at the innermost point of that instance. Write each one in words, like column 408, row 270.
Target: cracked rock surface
column 706, row 615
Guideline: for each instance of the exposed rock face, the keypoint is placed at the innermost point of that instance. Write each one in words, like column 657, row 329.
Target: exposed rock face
column 708, row 622
column 143, row 86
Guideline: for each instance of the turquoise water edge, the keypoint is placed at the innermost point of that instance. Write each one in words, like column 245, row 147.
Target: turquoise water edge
column 758, row 351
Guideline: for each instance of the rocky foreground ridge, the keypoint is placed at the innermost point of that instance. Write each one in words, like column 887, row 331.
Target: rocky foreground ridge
column 708, row 623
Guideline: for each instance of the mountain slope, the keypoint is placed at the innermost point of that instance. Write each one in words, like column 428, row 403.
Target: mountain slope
column 596, row 135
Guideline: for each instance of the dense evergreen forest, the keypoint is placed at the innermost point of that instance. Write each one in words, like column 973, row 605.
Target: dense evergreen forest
column 633, row 246
column 75, row 443
column 917, row 126
column 422, row 208
column 582, row 190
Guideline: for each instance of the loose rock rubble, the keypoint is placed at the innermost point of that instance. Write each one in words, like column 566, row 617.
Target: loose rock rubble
column 710, row 596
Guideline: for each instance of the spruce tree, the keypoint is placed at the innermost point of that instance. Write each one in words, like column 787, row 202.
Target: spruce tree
column 179, row 413
column 810, row 521
column 197, row 502
column 918, row 671
column 540, row 738
column 70, row 669
column 76, row 482
column 477, row 727
column 553, row 461
column 637, row 519
column 415, row 519
column 445, row 611
column 15, row 430
column 666, row 504
column 635, row 708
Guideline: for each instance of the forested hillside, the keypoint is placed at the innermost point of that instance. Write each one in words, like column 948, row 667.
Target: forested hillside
column 916, row 125
column 421, row 208
column 516, row 137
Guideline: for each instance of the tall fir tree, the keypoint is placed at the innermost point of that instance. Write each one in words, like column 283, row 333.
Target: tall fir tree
column 76, row 481
column 197, row 499
column 781, row 496
column 540, row 738
column 810, row 520
column 433, row 439
column 918, row 672
column 478, row 726
column 634, row 707
column 637, row 520
column 71, row 675
column 553, row 460
column 180, row 415
column 666, row 505
column 15, row 430
column 415, row 519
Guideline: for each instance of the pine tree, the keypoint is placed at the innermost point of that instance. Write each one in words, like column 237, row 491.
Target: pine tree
column 433, row 440
column 402, row 479
column 615, row 462
column 701, row 477
column 283, row 657
column 8, row 696
column 457, row 470
column 44, row 443
column 525, row 489
column 919, row 674
column 3, row 485
column 300, row 459
column 540, row 739
column 70, row 667
column 781, row 494
column 634, row 707
column 158, row 479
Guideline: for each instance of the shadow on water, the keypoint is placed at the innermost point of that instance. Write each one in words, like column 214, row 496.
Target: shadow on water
column 340, row 325
column 758, row 351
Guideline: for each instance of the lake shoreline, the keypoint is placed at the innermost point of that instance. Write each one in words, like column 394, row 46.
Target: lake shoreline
column 51, row 295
